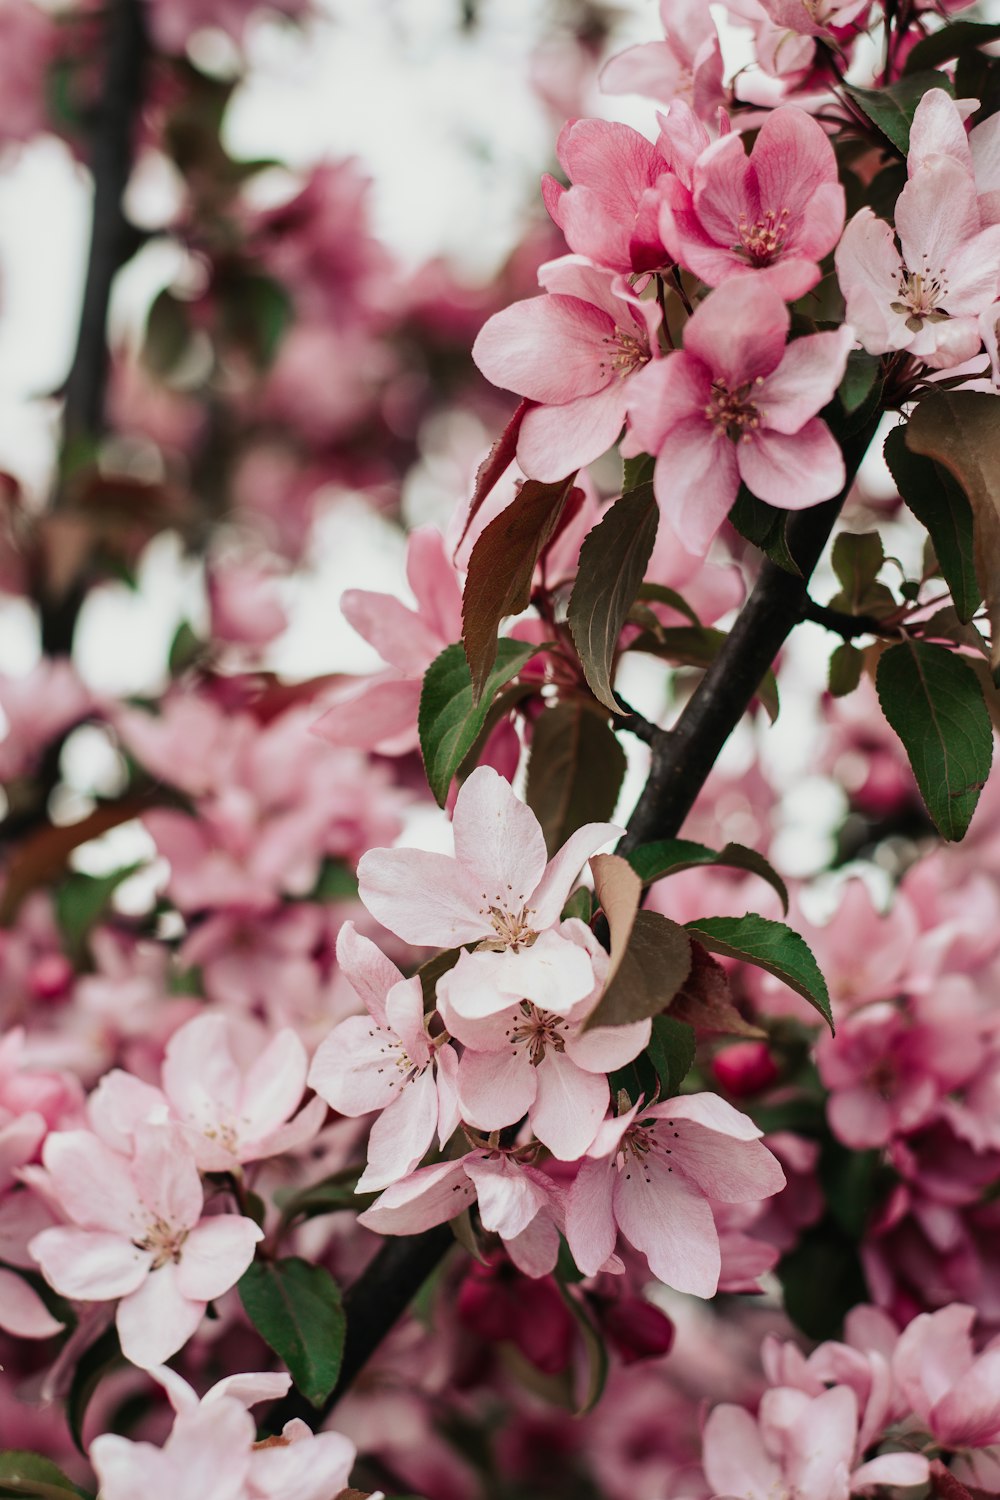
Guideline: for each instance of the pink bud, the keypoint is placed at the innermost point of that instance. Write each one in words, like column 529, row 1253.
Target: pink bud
column 50, row 977
column 744, row 1068
column 636, row 1329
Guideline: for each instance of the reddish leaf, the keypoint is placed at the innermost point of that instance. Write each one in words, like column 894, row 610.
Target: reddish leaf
column 496, row 463
column 706, row 1001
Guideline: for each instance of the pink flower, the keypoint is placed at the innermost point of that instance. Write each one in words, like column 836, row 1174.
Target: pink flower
column 687, row 64
column 954, row 1392
column 381, row 713
column 499, row 891
column 527, row 1060
column 37, row 709
column 814, row 17
column 137, row 1233
column 773, row 216
column 737, row 404
column 574, row 352
column 244, row 602
column 234, row 1097
column 926, row 296
column 610, row 212
column 519, row 1203
column 385, row 1061
column 650, row 1174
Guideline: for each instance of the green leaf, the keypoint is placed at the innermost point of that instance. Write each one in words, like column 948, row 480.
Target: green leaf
column 503, row 560
column 330, row 1196
column 658, row 593
column 637, row 471
column 690, row 646
column 846, row 665
column 652, row 970
column 31, row 1475
column 448, row 719
column 668, row 856
column 595, row 1347
column 892, row 108
column 82, row 900
column 856, row 559
column 859, row 380
column 431, row 971
column 771, row 946
column 168, row 334
column 764, row 526
column 822, row 1280
column 939, row 504
column 575, row 771
column 941, row 46
column 337, row 882
column 613, row 560
column 296, row 1309
column 96, row 1361
column 671, row 1050
column 580, row 905
column 933, row 701
column 961, row 431
column 185, row 649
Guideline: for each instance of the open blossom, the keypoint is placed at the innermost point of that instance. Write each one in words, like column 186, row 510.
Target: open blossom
column 954, row 1392
column 212, row 1452
column 385, row 1061
column 927, row 295
column 773, row 215
column 610, row 212
column 739, row 404
column 686, row 65
column 527, row 1060
column 574, row 351
column 499, row 891
column 650, row 1174
column 138, row 1232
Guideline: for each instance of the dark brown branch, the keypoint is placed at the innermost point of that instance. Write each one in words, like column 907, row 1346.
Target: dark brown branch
column 682, row 759
column 845, row 625
column 112, row 241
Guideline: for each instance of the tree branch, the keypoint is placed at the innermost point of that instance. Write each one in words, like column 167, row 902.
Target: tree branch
column 682, row 759
column 112, row 240
column 843, row 624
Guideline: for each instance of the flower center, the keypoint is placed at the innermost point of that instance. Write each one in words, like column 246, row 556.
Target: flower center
column 162, row 1241
column 644, row 1141
column 920, row 292
column 510, row 922
column 538, row 1030
column 624, row 352
column 763, row 241
column 732, row 413
column 396, row 1056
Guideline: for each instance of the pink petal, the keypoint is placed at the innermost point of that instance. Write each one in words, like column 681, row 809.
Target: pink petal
column 937, row 130
column 157, row 1320
column 935, row 213
column 671, row 1223
column 823, row 1437
column 739, row 331
column 536, row 1249
column 355, row 1069
column 22, row 1311
column 868, row 269
column 605, row 1048
column 92, row 1184
column 401, row 1134
column 200, row 1075
column 380, row 715
column 268, row 1385
column 551, row 892
column 431, row 575
column 569, row 1107
column 89, row 1265
column 498, row 841
column 312, row 1468
column 215, row 1255
column 667, row 392
column 496, row 1088
column 422, row 897
column 903, row 1469
column 273, row 1086
column 792, row 158
column 651, row 69
column 508, row 1198
column 166, row 1175
column 556, row 440
column 549, row 348
column 370, row 974
column 397, row 633
column 696, row 480
column 794, row 471
column 427, row 1197
column 724, row 190
column 590, row 1222
column 734, row 1458
column 806, row 379
column 404, row 1011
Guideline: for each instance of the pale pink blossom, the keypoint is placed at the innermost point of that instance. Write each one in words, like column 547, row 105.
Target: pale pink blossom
column 954, row 1391
column 38, row 708
column 244, row 602
column 518, row 1202
column 381, row 713
column 814, row 17
column 574, row 352
column 498, row 891
column 236, row 1093
column 385, row 1061
column 739, row 404
column 610, row 212
column 137, row 1232
column 773, row 215
column 686, row 65
column 527, row 1060
column 650, row 1174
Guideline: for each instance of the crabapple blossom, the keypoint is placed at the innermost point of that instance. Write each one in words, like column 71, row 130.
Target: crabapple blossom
column 498, row 891
column 386, row 1061
column 574, row 352
column 137, row 1232
column 686, row 65
column 772, row 216
column 234, row 1099
column 610, row 212
column 527, row 1060
column 739, row 404
column 954, row 1392
column 650, row 1173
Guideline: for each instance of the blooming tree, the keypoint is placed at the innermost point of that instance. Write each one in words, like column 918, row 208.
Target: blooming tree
column 576, row 1154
